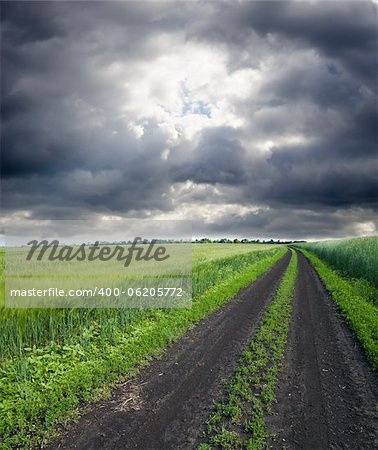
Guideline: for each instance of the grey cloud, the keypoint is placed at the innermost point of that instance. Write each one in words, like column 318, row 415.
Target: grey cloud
column 66, row 152
column 29, row 22
column 345, row 31
column 323, row 184
column 218, row 158
column 290, row 223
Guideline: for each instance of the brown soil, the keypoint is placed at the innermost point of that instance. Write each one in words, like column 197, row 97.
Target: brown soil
column 166, row 406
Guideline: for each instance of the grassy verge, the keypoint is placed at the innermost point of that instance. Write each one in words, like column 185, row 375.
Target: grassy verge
column 45, row 386
column 354, row 258
column 238, row 420
column 358, row 311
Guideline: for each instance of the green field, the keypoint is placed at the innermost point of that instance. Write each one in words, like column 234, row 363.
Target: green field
column 205, row 252
column 356, row 258
column 349, row 270
column 36, row 327
column 52, row 360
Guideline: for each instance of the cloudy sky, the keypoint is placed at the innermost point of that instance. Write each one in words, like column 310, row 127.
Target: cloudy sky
column 254, row 119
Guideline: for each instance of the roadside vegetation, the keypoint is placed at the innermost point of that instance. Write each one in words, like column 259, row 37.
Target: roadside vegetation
column 356, row 258
column 355, row 299
column 238, row 420
column 53, row 361
column 206, row 251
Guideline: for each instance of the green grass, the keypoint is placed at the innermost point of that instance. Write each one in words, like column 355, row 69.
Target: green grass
column 205, row 252
column 54, row 360
column 238, row 421
column 37, row 327
column 355, row 305
column 356, row 258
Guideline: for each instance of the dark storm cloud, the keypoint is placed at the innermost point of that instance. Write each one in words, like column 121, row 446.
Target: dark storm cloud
column 323, row 184
column 29, row 22
column 324, row 85
column 67, row 150
column 219, row 157
column 344, row 30
column 289, row 223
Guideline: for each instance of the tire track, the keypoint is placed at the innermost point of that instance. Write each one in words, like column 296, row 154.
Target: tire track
column 165, row 407
column 327, row 393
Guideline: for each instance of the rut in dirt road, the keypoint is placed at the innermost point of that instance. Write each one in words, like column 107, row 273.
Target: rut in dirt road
column 327, row 393
column 166, row 406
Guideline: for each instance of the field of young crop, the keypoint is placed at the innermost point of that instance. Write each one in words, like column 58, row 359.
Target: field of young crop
column 20, row 328
column 349, row 271
column 297, row 355
column 167, row 169
column 51, row 360
column 205, row 252
column 256, row 393
column 356, row 258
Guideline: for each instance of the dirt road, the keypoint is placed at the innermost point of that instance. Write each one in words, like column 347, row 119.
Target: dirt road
column 327, row 393
column 166, row 406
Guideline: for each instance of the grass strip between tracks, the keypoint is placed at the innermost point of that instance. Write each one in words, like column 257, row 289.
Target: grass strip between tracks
column 59, row 381
column 238, row 420
column 360, row 314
